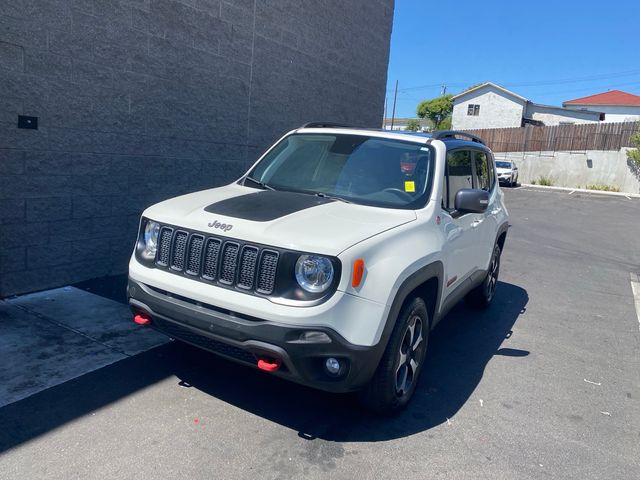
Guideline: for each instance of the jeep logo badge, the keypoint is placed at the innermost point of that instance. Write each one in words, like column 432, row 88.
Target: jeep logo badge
column 225, row 227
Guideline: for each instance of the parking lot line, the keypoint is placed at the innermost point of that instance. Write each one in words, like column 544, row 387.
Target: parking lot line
column 635, row 288
column 541, row 188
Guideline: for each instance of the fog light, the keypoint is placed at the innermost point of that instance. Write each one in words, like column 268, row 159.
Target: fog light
column 332, row 365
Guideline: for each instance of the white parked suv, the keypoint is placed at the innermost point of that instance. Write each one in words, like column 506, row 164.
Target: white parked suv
column 507, row 172
column 331, row 260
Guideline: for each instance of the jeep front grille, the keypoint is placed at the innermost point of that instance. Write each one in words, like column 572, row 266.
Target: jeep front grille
column 179, row 249
column 247, row 272
column 229, row 263
column 268, row 265
column 210, row 269
column 218, row 261
column 164, row 247
column 195, row 255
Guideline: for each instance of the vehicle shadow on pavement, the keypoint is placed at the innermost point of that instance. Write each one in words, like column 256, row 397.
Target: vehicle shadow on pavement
column 460, row 348
column 49, row 409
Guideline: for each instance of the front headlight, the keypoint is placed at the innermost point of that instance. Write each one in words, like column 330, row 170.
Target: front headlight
column 314, row 273
column 150, row 240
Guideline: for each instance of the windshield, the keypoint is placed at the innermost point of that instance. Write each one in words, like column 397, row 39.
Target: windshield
column 357, row 168
column 503, row 164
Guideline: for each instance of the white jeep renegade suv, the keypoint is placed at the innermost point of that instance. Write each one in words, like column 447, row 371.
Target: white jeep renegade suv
column 331, row 260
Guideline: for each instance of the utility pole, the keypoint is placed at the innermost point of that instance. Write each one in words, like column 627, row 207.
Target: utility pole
column 443, row 90
column 384, row 117
column 395, row 96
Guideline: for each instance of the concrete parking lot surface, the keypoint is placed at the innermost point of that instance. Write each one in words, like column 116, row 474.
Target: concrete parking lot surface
column 544, row 384
column 47, row 338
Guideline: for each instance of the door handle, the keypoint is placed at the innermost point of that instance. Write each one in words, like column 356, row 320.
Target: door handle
column 475, row 223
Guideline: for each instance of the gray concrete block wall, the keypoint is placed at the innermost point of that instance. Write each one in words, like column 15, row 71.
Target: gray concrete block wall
column 141, row 100
column 578, row 169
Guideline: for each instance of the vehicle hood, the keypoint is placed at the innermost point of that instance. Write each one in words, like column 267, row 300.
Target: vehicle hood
column 503, row 170
column 282, row 219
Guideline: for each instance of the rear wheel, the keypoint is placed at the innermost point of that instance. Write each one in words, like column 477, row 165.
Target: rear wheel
column 395, row 380
column 483, row 294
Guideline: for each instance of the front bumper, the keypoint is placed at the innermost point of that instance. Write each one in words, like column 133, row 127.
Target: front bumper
column 247, row 339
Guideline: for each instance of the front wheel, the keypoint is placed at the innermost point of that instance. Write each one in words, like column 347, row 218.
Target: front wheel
column 483, row 294
column 396, row 377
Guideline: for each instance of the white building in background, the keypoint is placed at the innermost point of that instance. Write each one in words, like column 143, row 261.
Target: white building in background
column 401, row 123
column 487, row 106
column 492, row 106
column 618, row 106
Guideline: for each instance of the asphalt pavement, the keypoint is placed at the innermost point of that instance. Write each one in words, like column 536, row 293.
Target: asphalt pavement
column 544, row 384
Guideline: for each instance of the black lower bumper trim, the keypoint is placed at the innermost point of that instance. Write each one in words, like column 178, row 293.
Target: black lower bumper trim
column 175, row 330
column 242, row 340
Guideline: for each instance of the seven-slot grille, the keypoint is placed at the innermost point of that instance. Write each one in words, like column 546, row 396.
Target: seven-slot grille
column 229, row 263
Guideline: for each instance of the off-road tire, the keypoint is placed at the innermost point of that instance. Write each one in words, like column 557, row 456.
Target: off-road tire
column 382, row 395
column 483, row 294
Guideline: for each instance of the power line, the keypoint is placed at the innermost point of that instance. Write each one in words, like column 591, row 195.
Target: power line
column 586, row 89
column 531, row 84
column 611, row 86
column 575, row 79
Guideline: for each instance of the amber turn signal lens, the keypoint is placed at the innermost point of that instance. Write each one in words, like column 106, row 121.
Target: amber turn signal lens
column 358, row 272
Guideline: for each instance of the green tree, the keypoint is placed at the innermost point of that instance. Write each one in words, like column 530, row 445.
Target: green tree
column 413, row 125
column 445, row 124
column 438, row 110
column 634, row 155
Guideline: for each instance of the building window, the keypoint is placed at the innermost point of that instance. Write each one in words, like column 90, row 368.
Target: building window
column 473, row 110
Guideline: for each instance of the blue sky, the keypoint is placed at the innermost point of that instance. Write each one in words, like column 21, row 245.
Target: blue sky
column 546, row 51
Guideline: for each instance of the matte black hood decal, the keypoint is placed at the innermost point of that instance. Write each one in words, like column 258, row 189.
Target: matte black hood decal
column 264, row 206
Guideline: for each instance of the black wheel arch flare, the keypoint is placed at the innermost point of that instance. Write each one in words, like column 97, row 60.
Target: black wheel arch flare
column 433, row 271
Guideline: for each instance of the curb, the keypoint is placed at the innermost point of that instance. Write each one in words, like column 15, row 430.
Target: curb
column 582, row 190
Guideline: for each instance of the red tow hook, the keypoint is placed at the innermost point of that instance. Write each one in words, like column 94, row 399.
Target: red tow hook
column 269, row 366
column 142, row 319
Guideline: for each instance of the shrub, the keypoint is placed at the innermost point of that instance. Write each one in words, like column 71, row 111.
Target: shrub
column 602, row 187
column 413, row 125
column 544, row 181
column 634, row 155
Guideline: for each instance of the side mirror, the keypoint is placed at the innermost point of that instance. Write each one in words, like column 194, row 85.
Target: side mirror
column 471, row 200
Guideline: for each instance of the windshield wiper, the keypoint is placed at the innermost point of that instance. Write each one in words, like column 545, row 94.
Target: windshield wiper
column 262, row 185
column 324, row 195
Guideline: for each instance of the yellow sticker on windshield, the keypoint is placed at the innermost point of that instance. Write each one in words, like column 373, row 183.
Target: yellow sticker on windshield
column 409, row 186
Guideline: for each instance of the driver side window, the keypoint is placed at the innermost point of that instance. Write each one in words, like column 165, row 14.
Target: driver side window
column 483, row 173
column 458, row 175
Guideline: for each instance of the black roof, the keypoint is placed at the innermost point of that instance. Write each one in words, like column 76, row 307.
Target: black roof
column 457, row 143
column 451, row 137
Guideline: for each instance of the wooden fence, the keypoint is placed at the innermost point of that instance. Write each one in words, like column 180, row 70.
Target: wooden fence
column 588, row 136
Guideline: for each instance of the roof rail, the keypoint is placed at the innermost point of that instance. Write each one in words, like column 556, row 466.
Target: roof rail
column 326, row 125
column 444, row 134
